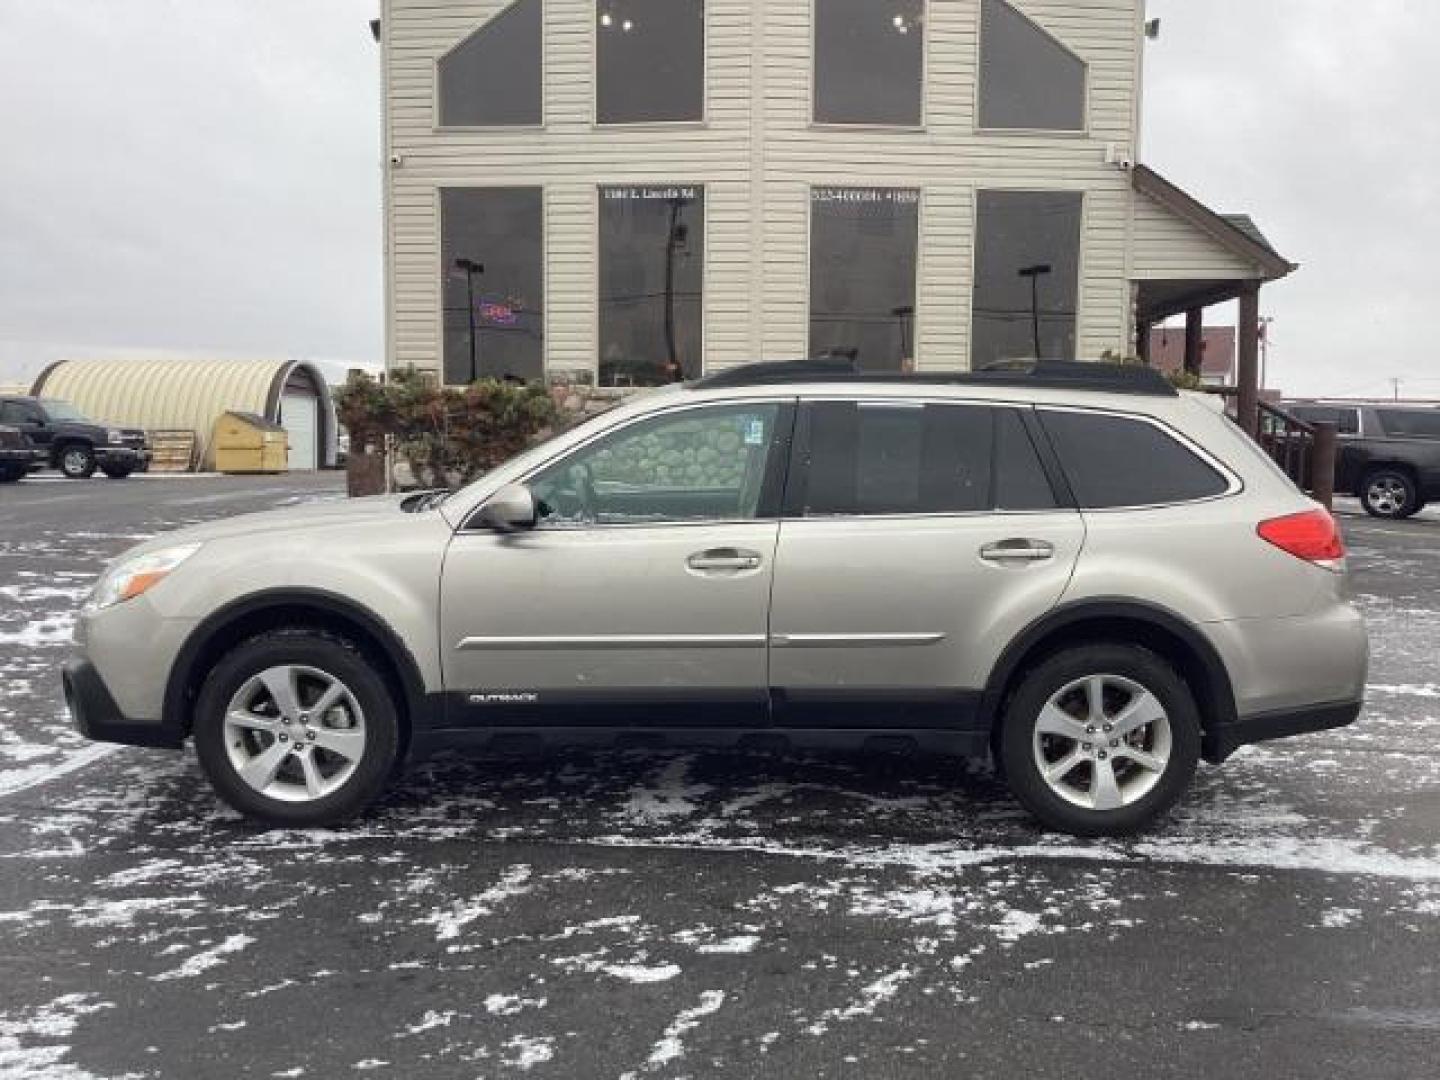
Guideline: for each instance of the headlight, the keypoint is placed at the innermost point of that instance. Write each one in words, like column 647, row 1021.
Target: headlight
column 115, row 437
column 136, row 575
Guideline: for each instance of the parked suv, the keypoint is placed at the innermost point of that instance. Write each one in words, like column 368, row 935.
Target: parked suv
column 1077, row 569
column 1389, row 455
column 17, row 454
column 73, row 444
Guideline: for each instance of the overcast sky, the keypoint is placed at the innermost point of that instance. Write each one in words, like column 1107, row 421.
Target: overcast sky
column 203, row 175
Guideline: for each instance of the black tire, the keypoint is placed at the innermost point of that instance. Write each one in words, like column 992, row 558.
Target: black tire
column 9, row 476
column 336, row 657
column 117, row 472
column 1018, row 741
column 1390, row 494
column 76, row 461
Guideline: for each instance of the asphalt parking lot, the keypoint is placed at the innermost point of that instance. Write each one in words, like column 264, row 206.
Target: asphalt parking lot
column 668, row 915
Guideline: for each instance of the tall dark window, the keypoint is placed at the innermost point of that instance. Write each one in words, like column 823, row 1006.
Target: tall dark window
column 494, row 77
column 1028, row 80
column 863, row 245
column 493, row 287
column 649, row 61
column 869, row 61
column 652, row 269
column 1027, row 275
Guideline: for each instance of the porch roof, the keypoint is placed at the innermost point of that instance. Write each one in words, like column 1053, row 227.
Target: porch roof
column 1251, row 258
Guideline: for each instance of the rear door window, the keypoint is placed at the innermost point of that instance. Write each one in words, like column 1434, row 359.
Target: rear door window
column 1116, row 461
column 1410, row 423
column 896, row 457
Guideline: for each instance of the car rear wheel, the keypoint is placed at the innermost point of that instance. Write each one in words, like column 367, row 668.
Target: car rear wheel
column 1100, row 740
column 9, row 476
column 117, row 472
column 296, row 728
column 77, row 461
column 1390, row 493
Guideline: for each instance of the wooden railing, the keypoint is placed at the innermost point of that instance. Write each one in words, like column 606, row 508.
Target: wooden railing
column 1307, row 452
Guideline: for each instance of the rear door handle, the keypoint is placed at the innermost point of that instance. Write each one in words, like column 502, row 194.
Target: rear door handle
column 1018, row 550
column 724, row 560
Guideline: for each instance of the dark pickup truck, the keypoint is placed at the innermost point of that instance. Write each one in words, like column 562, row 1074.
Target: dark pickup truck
column 1389, row 455
column 72, row 443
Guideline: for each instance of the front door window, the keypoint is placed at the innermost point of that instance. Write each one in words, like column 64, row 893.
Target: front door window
column 707, row 464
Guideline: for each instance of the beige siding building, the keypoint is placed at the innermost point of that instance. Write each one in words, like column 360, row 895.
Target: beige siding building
column 643, row 189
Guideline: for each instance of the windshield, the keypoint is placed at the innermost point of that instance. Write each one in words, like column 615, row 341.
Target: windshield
column 62, row 410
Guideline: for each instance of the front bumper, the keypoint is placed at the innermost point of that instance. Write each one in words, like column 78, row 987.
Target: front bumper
column 134, row 457
column 1223, row 740
column 98, row 717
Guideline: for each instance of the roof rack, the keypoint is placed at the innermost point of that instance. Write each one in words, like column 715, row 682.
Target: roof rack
column 1043, row 375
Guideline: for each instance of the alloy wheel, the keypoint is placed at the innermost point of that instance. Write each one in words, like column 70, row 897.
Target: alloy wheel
column 1102, row 742
column 1387, row 495
column 294, row 733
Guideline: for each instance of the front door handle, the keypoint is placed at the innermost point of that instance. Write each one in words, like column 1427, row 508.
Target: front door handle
column 1018, row 550
column 724, row 560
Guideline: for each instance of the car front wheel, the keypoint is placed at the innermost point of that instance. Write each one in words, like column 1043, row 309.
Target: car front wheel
column 77, row 462
column 296, row 728
column 117, row 472
column 1100, row 740
column 1390, row 493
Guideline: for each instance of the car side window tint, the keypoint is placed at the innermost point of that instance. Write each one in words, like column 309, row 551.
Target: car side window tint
column 1020, row 480
column 1411, row 423
column 898, row 458
column 1112, row 461
column 706, row 464
column 1346, row 421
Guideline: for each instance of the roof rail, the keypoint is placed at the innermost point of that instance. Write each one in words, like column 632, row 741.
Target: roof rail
column 1045, row 375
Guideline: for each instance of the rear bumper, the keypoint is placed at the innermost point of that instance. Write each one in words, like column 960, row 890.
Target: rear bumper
column 98, row 717
column 1225, row 739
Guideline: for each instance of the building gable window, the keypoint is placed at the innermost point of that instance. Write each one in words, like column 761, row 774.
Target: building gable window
column 864, row 244
column 1027, row 275
column 1028, row 80
column 649, row 61
column 869, row 62
column 492, row 283
column 494, row 78
column 652, row 271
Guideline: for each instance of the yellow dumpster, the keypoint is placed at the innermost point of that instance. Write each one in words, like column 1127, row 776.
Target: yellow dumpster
column 247, row 443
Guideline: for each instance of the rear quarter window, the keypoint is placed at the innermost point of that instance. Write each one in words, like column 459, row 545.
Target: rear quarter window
column 1116, row 461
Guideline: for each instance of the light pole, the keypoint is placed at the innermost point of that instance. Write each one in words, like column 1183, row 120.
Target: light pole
column 1035, row 273
column 471, row 268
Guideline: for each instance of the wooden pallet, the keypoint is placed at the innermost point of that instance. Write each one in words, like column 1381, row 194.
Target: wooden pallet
column 172, row 450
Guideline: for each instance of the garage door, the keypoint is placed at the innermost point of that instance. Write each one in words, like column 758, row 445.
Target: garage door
column 300, row 416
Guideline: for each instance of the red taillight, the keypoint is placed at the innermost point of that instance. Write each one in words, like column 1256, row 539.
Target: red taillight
column 1312, row 536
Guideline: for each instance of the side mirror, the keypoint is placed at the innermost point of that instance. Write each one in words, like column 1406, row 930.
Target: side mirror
column 510, row 509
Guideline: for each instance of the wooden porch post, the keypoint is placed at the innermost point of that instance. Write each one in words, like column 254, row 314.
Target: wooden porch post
column 1142, row 341
column 1247, row 377
column 1194, row 340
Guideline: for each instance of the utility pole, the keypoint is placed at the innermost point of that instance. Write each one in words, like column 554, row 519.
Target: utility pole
column 1265, row 324
column 1395, row 386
